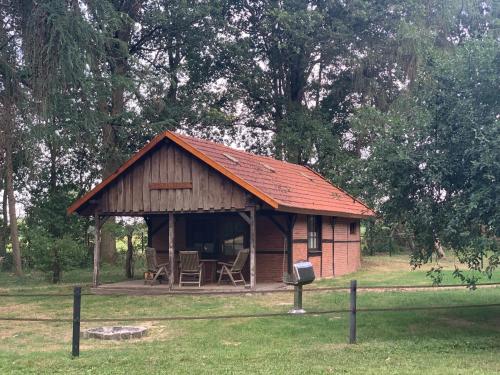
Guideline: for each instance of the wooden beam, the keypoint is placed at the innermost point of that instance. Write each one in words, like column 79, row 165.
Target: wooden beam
column 245, row 217
column 161, row 225
column 289, row 243
column 170, row 185
column 283, row 231
column 253, row 241
column 97, row 250
column 103, row 220
column 171, row 249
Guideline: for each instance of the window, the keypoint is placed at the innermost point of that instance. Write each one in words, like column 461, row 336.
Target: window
column 353, row 228
column 234, row 233
column 216, row 235
column 201, row 234
column 313, row 234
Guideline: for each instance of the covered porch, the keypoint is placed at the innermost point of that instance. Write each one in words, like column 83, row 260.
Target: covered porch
column 217, row 236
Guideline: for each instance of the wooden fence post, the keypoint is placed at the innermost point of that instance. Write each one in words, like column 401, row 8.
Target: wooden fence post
column 352, row 319
column 77, row 299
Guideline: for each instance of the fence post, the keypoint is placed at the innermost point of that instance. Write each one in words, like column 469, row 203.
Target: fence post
column 297, row 301
column 352, row 315
column 77, row 299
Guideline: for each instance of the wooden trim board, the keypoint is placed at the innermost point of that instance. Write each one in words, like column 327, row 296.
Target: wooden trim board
column 170, row 185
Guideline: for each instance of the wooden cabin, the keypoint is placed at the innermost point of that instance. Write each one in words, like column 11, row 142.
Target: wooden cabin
column 200, row 195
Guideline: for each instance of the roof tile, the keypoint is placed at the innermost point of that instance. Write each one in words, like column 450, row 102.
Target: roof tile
column 291, row 185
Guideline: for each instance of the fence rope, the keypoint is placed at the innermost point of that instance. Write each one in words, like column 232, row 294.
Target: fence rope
column 158, row 292
column 262, row 315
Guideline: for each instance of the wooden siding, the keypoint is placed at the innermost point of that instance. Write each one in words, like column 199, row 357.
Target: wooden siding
column 136, row 190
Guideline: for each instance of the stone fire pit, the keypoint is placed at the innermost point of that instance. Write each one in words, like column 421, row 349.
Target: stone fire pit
column 115, row 333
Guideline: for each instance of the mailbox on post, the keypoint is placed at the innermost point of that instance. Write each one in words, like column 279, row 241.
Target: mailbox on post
column 303, row 273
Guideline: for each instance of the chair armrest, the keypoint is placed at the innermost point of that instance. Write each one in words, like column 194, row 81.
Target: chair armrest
column 163, row 264
column 225, row 264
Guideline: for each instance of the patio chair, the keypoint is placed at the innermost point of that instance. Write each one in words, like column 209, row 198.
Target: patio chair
column 190, row 268
column 234, row 269
column 153, row 266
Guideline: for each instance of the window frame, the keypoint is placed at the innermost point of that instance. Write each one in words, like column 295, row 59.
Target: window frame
column 353, row 228
column 215, row 230
column 200, row 227
column 243, row 231
column 317, row 220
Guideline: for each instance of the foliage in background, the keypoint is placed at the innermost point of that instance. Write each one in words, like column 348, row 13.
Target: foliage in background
column 396, row 101
column 54, row 242
column 433, row 164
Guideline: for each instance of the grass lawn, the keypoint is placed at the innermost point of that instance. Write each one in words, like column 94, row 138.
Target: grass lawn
column 451, row 341
column 395, row 270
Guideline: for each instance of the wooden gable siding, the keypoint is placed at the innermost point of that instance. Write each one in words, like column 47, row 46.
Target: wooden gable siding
column 168, row 165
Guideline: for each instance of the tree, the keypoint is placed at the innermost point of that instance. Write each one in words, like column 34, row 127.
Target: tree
column 433, row 166
column 296, row 69
column 11, row 96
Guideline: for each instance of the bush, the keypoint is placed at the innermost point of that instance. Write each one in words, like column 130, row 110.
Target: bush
column 51, row 254
column 380, row 238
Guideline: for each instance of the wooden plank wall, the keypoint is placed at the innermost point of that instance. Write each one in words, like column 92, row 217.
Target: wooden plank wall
column 167, row 163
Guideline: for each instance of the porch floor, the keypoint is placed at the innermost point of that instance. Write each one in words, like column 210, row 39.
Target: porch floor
column 137, row 287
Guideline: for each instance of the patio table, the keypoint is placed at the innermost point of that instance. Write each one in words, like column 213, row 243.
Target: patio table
column 213, row 275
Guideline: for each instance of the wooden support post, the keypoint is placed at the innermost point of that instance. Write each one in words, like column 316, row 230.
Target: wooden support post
column 171, row 249
column 352, row 314
column 253, row 240
column 289, row 243
column 150, row 234
column 77, row 299
column 97, row 250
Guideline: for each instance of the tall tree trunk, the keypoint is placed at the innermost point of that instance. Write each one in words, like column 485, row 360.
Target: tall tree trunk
column 129, row 264
column 9, row 186
column 118, row 63
column 4, row 227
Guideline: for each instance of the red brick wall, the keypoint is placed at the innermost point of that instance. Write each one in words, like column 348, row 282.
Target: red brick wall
column 270, row 258
column 337, row 258
column 347, row 248
column 299, row 250
column 300, row 245
column 327, row 253
column 270, row 267
column 268, row 235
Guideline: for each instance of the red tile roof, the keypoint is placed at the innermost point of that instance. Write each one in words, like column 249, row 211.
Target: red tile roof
column 291, row 185
column 284, row 186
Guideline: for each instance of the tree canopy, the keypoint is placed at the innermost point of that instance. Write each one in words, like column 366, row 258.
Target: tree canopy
column 396, row 101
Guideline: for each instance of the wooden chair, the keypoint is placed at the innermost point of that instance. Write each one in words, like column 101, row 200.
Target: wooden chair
column 234, row 268
column 190, row 267
column 153, row 266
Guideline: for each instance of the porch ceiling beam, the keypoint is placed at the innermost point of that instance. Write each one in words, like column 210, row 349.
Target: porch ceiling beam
column 280, row 227
column 245, row 217
column 291, row 221
column 161, row 225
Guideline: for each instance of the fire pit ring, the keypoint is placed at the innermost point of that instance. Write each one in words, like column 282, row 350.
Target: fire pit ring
column 115, row 333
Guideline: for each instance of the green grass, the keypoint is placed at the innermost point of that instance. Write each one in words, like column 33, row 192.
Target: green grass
column 389, row 271
column 451, row 341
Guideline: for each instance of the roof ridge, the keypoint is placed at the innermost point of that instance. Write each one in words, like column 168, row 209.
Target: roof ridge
column 237, row 150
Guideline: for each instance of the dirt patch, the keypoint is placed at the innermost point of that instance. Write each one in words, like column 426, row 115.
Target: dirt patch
column 457, row 322
column 378, row 264
column 18, row 307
